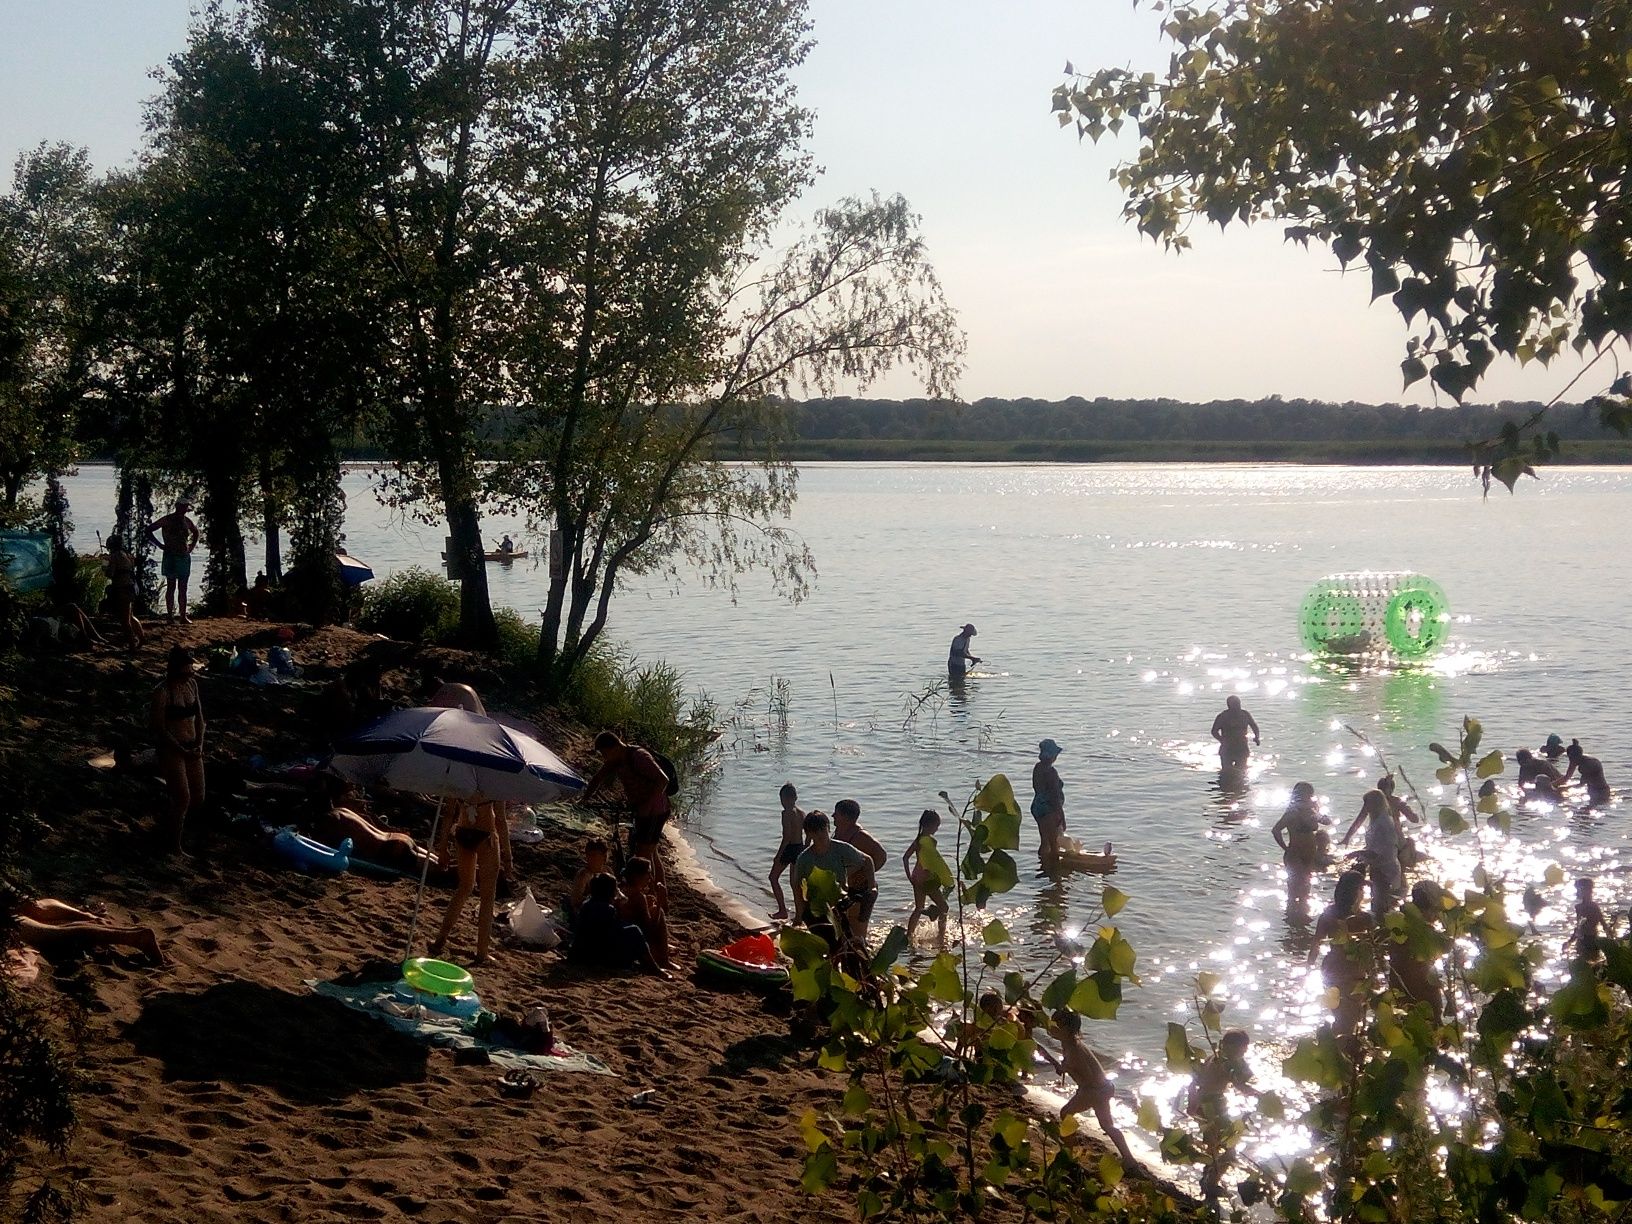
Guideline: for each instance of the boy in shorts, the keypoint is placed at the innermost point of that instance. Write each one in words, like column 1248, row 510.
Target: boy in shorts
column 793, row 841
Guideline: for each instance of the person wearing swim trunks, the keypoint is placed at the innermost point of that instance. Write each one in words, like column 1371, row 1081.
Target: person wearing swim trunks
column 793, row 841
column 645, row 788
column 1048, row 800
column 840, row 860
column 958, row 657
column 1094, row 1089
column 477, row 861
column 178, row 718
column 177, row 536
column 847, row 828
column 1230, row 730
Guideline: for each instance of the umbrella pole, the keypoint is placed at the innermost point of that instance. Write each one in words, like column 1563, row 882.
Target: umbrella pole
column 424, row 871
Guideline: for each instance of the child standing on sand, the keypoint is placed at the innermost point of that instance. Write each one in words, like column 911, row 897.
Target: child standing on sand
column 928, row 892
column 1094, row 1089
column 793, row 841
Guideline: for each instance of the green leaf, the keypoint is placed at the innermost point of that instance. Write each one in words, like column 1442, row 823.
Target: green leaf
column 1110, row 1171
column 1150, row 1117
column 1113, row 899
column 1002, row 830
column 1179, row 1054
column 942, row 981
column 1097, row 997
column 1058, row 992
column 1451, row 821
column 1447, row 774
column 1315, row 1060
column 832, row 1058
column 1010, row 1129
column 1001, row 872
column 1207, row 982
column 895, row 943
column 821, row 1171
column 994, row 932
column 802, row 948
column 997, row 796
column 1302, row 1179
column 1490, row 765
column 856, row 1100
column 931, row 860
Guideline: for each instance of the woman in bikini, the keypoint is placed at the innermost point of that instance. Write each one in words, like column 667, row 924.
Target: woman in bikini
column 178, row 717
column 121, row 571
column 477, row 849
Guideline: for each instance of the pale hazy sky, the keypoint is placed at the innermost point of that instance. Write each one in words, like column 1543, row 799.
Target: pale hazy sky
column 947, row 102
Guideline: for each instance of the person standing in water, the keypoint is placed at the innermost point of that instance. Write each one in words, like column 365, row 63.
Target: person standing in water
column 1591, row 770
column 1230, row 730
column 958, row 658
column 177, row 536
column 1298, row 834
column 1048, row 800
column 793, row 841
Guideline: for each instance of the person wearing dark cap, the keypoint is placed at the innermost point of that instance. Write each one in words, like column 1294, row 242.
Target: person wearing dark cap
column 177, row 536
column 959, row 656
column 1048, row 800
column 1553, row 748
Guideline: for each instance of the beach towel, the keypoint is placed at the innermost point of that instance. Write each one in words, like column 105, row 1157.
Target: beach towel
column 445, row 1032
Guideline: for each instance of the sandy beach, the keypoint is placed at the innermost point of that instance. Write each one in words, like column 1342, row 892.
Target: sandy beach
column 219, row 1088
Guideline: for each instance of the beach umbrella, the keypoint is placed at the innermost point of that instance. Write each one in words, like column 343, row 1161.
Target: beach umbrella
column 352, row 571
column 453, row 754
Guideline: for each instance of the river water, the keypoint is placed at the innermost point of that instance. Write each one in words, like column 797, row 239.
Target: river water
column 1117, row 607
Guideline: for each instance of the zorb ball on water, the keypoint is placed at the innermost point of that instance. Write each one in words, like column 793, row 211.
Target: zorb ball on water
column 1403, row 615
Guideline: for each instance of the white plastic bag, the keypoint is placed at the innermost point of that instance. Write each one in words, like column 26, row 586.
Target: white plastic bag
column 531, row 925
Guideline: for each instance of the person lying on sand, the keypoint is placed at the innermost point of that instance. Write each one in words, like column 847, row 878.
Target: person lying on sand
column 646, row 904
column 1094, row 1090
column 387, row 847
column 59, row 929
column 601, row 939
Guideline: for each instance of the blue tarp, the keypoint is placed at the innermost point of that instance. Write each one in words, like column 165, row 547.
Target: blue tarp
column 25, row 559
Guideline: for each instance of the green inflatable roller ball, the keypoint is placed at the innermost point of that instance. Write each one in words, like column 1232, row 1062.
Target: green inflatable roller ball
column 1330, row 616
column 1416, row 621
column 436, row 977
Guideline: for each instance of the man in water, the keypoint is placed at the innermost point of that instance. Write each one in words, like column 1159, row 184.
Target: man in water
column 1230, row 730
column 841, row 860
column 177, row 536
column 959, row 656
column 847, row 828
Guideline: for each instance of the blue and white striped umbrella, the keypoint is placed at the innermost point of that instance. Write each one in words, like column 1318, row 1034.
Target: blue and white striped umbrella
column 435, row 750
column 352, row 571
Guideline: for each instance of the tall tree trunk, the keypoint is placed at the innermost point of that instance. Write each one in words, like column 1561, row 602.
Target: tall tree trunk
column 477, row 628
column 141, row 545
column 270, row 525
column 224, row 571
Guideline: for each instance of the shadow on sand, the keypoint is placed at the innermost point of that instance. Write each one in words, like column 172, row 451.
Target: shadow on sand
column 307, row 1048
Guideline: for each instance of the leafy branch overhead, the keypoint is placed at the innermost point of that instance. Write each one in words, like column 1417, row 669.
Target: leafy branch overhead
column 1471, row 154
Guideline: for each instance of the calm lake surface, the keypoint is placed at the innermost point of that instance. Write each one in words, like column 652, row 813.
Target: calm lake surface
column 1117, row 607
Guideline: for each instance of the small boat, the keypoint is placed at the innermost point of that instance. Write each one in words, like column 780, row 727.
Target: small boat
column 503, row 558
column 1072, row 857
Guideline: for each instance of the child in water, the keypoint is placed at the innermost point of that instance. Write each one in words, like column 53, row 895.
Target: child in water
column 1227, row 1068
column 1094, row 1089
column 793, row 841
column 1591, row 928
column 928, row 893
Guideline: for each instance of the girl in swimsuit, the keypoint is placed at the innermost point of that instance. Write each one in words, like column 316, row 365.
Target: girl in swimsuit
column 178, row 717
column 474, row 835
column 928, row 892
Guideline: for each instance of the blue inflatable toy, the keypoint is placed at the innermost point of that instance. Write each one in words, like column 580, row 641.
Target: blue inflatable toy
column 460, row 1006
column 309, row 855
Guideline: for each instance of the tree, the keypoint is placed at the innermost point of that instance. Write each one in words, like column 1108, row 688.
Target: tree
column 1473, row 154
column 49, row 252
column 656, row 331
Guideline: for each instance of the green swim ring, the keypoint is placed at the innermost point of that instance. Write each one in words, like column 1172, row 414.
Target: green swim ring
column 436, row 977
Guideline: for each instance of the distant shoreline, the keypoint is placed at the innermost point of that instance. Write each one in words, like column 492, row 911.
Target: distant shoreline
column 1608, row 452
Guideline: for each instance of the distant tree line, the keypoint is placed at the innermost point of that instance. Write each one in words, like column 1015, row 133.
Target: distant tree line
column 1150, row 420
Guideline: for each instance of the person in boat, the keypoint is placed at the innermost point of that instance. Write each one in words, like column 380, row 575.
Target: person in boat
column 1298, row 834
column 958, row 659
column 1048, row 800
column 793, row 841
column 1591, row 770
column 507, row 546
column 1230, row 729
column 847, row 828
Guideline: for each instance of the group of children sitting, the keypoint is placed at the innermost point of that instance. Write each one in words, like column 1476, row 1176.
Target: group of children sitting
column 617, row 923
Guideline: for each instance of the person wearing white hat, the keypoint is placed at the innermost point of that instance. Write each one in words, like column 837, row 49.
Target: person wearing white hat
column 959, row 655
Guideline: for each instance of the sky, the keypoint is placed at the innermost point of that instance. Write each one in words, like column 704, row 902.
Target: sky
column 946, row 102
